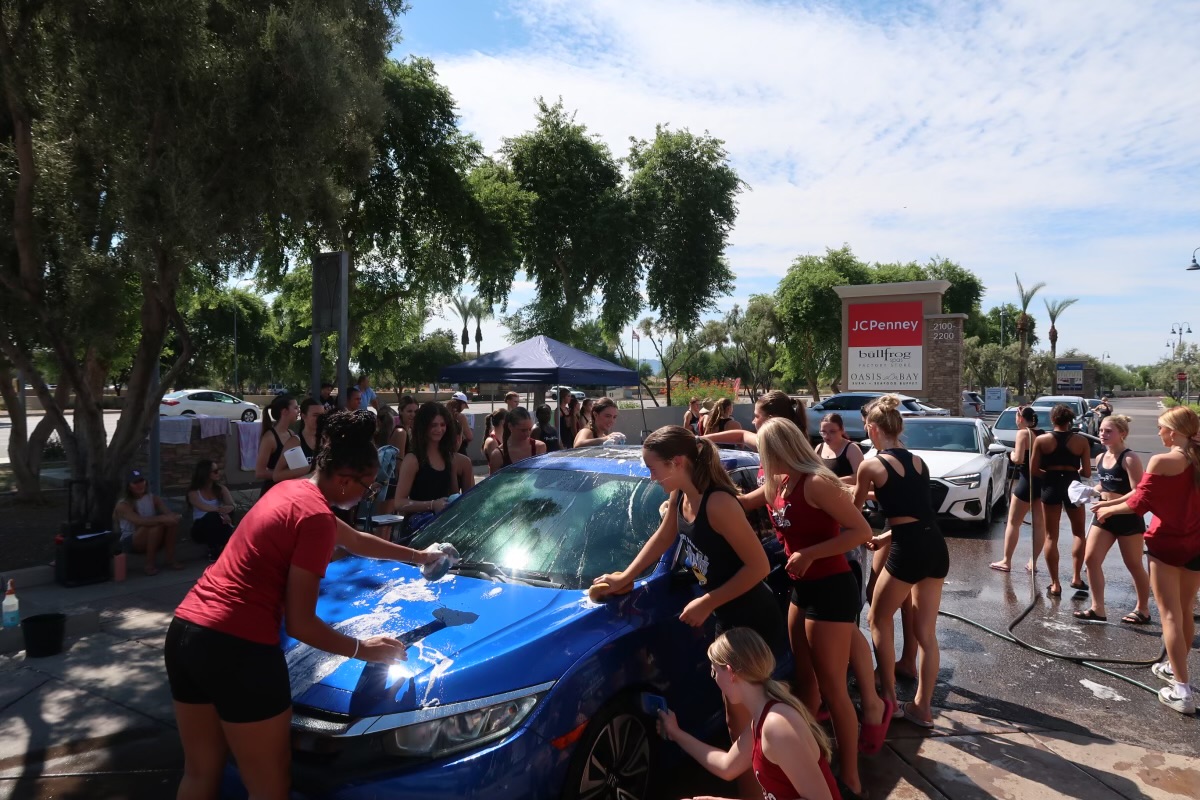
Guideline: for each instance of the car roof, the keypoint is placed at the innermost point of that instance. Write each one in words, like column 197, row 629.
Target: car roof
column 940, row 421
column 869, row 394
column 1057, row 398
column 620, row 460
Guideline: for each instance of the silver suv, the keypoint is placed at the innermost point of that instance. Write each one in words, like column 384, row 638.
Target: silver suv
column 849, row 406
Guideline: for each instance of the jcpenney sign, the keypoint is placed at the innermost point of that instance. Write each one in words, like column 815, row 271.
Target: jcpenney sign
column 884, row 346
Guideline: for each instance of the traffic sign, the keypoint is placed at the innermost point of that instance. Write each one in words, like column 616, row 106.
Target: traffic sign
column 1181, row 376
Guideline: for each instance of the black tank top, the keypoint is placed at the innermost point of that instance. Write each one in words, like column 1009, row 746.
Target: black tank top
column 1114, row 478
column 707, row 553
column 1061, row 456
column 1023, row 467
column 309, row 452
column 906, row 496
column 271, row 462
column 840, row 465
column 432, row 484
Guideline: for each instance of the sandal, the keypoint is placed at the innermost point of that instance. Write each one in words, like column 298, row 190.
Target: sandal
column 1136, row 618
column 1090, row 616
column 903, row 713
column 1052, row 593
column 1081, row 586
column 1000, row 566
column 870, row 737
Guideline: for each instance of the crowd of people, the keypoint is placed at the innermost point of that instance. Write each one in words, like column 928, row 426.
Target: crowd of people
column 411, row 461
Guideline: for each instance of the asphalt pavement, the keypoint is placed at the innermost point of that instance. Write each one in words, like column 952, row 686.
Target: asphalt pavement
column 95, row 721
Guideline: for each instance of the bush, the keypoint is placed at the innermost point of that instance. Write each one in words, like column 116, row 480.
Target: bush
column 708, row 392
column 53, row 449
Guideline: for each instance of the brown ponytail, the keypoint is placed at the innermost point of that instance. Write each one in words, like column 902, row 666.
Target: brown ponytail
column 707, row 472
column 778, row 404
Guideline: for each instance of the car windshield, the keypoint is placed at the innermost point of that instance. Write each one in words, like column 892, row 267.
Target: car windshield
column 911, row 405
column 951, row 436
column 1008, row 419
column 566, row 526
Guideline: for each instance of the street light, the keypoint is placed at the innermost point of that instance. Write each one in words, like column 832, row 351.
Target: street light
column 1180, row 331
column 1194, row 265
column 1103, row 359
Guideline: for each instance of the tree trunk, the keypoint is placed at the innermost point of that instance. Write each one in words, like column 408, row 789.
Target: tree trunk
column 1053, row 341
column 814, row 389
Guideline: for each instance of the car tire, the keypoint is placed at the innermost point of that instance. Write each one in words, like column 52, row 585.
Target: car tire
column 614, row 759
column 187, row 413
column 249, row 415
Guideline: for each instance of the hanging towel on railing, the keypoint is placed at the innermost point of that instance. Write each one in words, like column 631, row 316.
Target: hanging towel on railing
column 175, row 430
column 213, row 426
column 248, row 435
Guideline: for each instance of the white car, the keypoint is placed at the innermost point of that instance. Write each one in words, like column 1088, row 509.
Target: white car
column 208, row 403
column 933, row 411
column 555, row 391
column 968, row 468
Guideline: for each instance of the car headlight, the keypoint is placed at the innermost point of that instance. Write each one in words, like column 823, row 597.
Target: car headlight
column 970, row 480
column 439, row 737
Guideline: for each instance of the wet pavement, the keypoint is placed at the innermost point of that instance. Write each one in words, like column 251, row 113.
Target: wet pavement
column 95, row 722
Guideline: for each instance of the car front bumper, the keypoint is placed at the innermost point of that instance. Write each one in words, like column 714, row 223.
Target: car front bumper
column 959, row 502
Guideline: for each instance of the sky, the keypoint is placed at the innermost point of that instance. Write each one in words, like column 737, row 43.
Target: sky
column 1056, row 140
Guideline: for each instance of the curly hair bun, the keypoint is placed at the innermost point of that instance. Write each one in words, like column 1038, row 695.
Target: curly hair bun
column 889, row 402
column 350, row 427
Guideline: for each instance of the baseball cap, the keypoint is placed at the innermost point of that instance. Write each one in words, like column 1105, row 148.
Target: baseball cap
column 135, row 475
column 460, row 397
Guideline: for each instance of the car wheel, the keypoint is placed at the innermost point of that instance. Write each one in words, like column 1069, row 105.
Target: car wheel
column 989, row 508
column 249, row 415
column 613, row 759
column 188, row 413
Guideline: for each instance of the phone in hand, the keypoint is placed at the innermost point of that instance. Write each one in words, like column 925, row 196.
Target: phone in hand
column 652, row 704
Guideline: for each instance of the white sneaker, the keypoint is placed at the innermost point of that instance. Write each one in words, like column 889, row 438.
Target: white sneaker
column 1162, row 670
column 1168, row 698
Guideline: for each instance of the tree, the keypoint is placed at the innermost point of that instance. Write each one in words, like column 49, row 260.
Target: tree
column 465, row 307
column 673, row 350
column 481, row 310
column 1023, row 326
column 754, row 336
column 809, row 312
column 1054, row 309
column 131, row 163
column 683, row 191
column 999, row 326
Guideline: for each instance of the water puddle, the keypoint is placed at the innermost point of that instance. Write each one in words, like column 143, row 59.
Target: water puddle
column 1101, row 692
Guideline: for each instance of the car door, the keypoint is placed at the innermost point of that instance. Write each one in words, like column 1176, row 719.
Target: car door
column 202, row 403
column 997, row 462
column 226, row 405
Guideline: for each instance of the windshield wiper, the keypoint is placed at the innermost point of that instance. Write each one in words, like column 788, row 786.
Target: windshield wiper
column 526, row 576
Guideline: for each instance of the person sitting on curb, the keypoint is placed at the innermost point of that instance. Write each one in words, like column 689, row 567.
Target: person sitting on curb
column 146, row 523
column 211, row 505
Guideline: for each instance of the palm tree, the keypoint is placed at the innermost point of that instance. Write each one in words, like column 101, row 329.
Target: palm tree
column 1053, row 309
column 1023, row 326
column 481, row 310
column 465, row 308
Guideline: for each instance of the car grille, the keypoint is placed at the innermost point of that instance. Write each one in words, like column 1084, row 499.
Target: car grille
column 937, row 495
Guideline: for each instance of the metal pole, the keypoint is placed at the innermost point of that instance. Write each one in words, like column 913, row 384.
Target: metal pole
column 236, row 385
column 344, row 328
column 155, row 465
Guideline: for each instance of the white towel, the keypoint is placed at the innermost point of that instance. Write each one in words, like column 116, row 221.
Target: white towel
column 175, row 430
column 248, row 435
column 213, row 426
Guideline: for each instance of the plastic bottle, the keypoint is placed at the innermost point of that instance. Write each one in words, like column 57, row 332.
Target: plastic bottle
column 11, row 608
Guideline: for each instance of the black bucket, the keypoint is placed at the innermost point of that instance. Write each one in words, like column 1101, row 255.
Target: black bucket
column 44, row 634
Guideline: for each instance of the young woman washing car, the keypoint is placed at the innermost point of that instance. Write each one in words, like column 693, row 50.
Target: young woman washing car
column 228, row 675
column 716, row 543
column 1060, row 457
column 1026, row 494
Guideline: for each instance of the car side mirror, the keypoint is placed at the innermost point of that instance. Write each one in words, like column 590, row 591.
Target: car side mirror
column 997, row 449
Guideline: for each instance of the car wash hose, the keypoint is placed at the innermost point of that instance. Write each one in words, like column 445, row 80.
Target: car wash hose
column 1090, row 661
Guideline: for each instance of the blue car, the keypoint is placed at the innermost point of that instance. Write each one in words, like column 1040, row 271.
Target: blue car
column 516, row 684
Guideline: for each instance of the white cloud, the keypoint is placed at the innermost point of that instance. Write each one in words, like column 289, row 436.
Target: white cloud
column 1057, row 140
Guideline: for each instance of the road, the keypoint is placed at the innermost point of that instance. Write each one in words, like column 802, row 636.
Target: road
column 110, row 426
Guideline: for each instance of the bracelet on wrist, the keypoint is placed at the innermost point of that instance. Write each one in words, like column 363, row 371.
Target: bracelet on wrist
column 357, row 642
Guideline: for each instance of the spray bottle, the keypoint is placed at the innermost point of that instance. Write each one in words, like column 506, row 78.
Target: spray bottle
column 11, row 608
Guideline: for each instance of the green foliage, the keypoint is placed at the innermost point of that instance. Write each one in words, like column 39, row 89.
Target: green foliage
column 683, row 192
column 988, row 327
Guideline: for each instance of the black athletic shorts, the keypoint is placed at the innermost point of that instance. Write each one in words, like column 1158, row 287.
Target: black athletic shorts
column 758, row 610
column 918, row 552
column 1022, row 490
column 834, row 598
column 246, row 681
column 1054, row 487
column 1122, row 524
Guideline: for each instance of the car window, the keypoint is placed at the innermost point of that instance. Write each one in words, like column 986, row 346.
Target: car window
column 833, row 404
column 201, row 397
column 911, row 405
column 1007, row 421
column 175, row 395
column 571, row 525
column 950, row 437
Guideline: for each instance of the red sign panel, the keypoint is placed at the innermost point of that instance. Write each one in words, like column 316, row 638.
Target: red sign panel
column 1181, row 376
column 895, row 324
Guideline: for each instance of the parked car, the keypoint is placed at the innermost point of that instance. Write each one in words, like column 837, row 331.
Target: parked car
column 1005, row 428
column 1085, row 420
column 556, row 390
column 209, row 403
column 968, row 468
column 972, row 404
column 849, row 406
column 516, row 685
column 933, row 411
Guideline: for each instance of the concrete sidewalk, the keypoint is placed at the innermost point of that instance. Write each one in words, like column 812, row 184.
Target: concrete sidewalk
column 96, row 722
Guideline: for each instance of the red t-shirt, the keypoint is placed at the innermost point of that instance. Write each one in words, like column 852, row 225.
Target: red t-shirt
column 243, row 593
column 799, row 525
column 1174, row 533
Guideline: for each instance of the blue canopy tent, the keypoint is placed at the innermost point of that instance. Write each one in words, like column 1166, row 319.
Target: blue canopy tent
column 539, row 360
column 544, row 361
